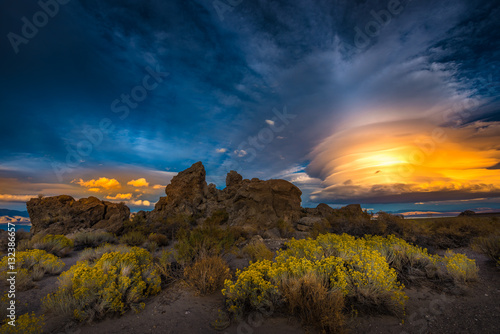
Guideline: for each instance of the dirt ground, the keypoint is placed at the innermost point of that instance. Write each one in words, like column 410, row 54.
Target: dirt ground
column 475, row 309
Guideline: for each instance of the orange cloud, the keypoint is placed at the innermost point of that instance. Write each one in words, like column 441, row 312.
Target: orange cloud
column 408, row 161
column 120, row 196
column 158, row 186
column 101, row 183
column 139, row 183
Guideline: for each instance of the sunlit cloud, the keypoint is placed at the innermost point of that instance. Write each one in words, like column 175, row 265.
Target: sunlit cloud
column 407, row 161
column 101, row 183
column 221, row 150
column 158, row 186
column 139, row 183
column 120, row 196
column 140, row 203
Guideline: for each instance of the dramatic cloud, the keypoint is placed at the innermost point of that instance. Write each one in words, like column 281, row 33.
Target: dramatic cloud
column 120, row 196
column 99, row 184
column 408, row 162
column 139, row 183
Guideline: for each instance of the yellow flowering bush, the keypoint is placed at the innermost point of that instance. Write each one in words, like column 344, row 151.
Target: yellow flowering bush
column 460, row 267
column 364, row 270
column 25, row 324
column 30, row 266
column 114, row 283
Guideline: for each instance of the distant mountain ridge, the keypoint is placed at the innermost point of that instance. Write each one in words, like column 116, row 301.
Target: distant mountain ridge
column 7, row 212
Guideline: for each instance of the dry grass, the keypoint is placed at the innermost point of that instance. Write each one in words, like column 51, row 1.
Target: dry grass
column 309, row 298
column 93, row 239
column 207, row 274
column 134, row 238
column 489, row 246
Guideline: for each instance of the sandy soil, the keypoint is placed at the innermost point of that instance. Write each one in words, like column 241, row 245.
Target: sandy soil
column 475, row 309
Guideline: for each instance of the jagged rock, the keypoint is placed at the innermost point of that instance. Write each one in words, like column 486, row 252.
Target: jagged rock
column 351, row 210
column 64, row 215
column 273, row 233
column 253, row 202
column 233, row 179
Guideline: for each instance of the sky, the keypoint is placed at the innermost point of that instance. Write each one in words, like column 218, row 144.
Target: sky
column 390, row 104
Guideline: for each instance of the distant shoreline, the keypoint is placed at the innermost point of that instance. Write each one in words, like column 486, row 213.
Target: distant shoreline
column 19, row 227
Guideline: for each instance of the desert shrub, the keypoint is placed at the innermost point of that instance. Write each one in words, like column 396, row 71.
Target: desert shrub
column 489, row 246
column 219, row 217
column 203, row 241
column 170, row 226
column 257, row 251
column 151, row 246
column 460, row 268
column 343, row 263
column 93, row 239
column 310, row 298
column 134, row 238
column 58, row 245
column 164, row 265
column 25, row 324
column 30, row 265
column 160, row 239
column 111, row 285
column 320, row 228
column 207, row 274
column 93, row 254
column 285, row 227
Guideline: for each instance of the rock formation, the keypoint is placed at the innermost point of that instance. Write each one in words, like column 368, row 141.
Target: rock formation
column 260, row 203
column 64, row 215
column 254, row 203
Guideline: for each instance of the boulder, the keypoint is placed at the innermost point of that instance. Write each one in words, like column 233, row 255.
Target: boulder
column 306, row 223
column 63, row 214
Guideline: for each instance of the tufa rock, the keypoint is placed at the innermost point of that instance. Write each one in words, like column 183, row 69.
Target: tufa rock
column 254, row 202
column 64, row 215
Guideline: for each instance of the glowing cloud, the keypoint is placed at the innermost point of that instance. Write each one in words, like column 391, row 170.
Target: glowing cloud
column 101, row 183
column 139, row 183
column 120, row 196
column 408, row 161
column 158, row 186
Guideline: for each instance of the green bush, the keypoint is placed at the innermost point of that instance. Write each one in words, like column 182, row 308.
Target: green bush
column 58, row 245
column 257, row 251
column 203, row 241
column 134, row 238
column 160, row 239
column 489, row 246
column 111, row 285
column 93, row 239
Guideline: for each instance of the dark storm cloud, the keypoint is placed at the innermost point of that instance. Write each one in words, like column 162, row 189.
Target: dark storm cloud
column 227, row 74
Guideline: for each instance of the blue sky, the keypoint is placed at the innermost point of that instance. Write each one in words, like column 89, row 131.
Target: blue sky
column 390, row 104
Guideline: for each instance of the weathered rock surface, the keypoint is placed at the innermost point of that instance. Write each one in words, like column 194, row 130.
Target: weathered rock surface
column 256, row 202
column 64, row 215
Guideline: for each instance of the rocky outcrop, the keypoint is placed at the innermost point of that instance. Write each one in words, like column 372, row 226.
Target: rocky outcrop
column 255, row 202
column 63, row 214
